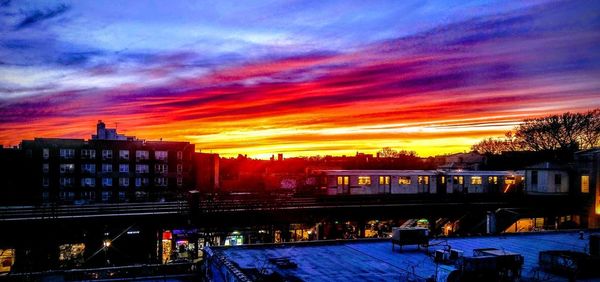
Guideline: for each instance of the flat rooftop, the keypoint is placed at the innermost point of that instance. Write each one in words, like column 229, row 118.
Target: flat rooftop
column 374, row 260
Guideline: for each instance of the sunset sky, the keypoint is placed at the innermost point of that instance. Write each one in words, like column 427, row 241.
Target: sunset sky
column 295, row 77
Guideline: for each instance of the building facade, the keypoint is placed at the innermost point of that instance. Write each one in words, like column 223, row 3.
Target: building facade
column 108, row 169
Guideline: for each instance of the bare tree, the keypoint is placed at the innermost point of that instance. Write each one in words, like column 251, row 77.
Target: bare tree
column 568, row 131
column 387, row 152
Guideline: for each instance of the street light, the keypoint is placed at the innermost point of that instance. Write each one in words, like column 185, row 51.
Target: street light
column 106, row 243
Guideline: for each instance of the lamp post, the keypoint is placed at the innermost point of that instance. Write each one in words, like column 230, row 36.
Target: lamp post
column 105, row 244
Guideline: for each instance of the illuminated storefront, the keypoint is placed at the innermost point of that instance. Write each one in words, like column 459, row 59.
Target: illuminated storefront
column 235, row 239
column 167, row 238
column 71, row 255
column 7, row 259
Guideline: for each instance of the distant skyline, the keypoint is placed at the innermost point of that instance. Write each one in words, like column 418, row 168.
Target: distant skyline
column 295, row 77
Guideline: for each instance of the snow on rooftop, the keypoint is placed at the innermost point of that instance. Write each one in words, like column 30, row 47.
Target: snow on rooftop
column 374, row 260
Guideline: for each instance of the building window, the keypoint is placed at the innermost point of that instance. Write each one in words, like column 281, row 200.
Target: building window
column 88, row 195
column 364, row 180
column 67, row 153
column 161, row 168
column 179, row 181
column 404, row 180
column 88, row 168
column 88, row 182
column 121, row 196
column 88, row 154
column 384, row 180
column 475, row 180
column 106, row 167
column 179, row 155
column 557, row 179
column 67, row 168
column 443, row 179
column 124, row 154
column 45, row 181
column 585, row 184
column 66, row 181
column 107, row 182
column 161, row 155
column 142, row 168
column 45, row 153
column 423, row 180
column 123, row 168
column 141, row 181
column 45, row 168
column 458, row 180
column 107, row 154
column 534, row 177
column 493, row 179
column 343, row 180
column 45, row 196
column 141, row 155
column 161, row 181
column 124, row 182
column 106, row 195
column 180, row 170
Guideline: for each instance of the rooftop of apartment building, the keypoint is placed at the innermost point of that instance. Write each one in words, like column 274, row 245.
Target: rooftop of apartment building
column 374, row 259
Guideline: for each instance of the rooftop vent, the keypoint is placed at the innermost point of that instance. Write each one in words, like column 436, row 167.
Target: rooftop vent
column 283, row 262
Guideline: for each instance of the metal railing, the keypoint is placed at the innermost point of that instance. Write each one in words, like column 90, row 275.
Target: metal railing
column 44, row 212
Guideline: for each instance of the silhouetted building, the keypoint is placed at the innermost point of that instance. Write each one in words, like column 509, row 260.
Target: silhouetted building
column 108, row 168
column 471, row 161
column 103, row 133
column 207, row 172
column 12, row 177
column 588, row 182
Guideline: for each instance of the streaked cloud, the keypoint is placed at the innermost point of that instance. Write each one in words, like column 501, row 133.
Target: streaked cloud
column 280, row 79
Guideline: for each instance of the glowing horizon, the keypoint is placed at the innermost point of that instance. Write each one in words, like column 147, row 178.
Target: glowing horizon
column 293, row 78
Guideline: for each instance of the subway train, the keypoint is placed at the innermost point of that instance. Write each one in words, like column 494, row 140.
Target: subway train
column 380, row 182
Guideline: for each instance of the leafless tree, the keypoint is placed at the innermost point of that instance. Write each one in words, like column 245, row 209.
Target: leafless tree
column 567, row 131
column 387, row 152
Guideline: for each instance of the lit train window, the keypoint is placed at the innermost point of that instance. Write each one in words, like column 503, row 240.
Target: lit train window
column 384, row 180
column 404, row 180
column 458, row 180
column 364, row 180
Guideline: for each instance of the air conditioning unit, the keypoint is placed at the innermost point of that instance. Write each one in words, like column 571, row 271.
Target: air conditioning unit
column 595, row 245
column 409, row 236
column 569, row 263
column 441, row 256
column 456, row 254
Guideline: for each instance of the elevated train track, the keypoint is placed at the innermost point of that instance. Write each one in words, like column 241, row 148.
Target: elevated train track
column 246, row 206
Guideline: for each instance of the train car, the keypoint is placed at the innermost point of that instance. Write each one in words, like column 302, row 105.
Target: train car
column 372, row 182
column 377, row 182
column 483, row 181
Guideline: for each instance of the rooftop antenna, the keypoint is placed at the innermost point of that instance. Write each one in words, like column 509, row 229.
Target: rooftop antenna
column 116, row 123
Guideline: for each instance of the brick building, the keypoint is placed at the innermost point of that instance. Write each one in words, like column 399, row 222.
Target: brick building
column 108, row 168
